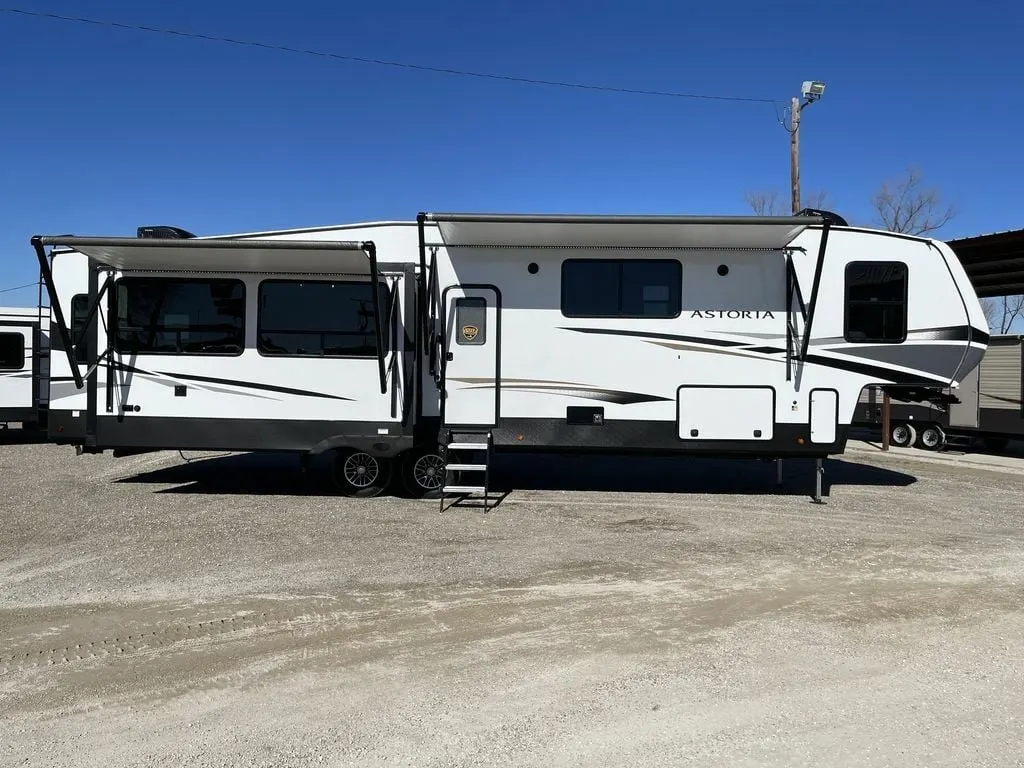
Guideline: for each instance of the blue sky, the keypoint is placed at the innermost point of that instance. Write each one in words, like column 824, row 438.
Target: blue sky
column 105, row 130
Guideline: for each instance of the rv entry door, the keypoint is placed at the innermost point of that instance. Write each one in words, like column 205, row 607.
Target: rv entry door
column 472, row 328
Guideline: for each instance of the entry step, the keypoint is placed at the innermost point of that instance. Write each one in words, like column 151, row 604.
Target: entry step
column 466, row 467
column 467, row 446
column 464, row 489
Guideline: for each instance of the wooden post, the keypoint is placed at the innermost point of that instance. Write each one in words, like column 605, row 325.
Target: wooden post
column 794, row 153
column 886, row 431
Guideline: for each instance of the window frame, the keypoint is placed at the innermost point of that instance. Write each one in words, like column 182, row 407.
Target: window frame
column 84, row 359
column 115, row 300
column 621, row 263
column 386, row 308
column 903, row 301
column 20, row 335
column 478, row 302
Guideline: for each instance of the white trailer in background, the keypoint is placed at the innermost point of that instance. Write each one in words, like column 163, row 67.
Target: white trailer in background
column 24, row 366
column 731, row 336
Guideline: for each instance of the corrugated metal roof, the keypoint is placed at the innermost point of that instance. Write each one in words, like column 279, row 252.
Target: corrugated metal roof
column 993, row 262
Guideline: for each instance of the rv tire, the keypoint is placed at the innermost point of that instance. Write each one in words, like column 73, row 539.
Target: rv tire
column 360, row 474
column 423, row 472
column 903, row 435
column 932, row 438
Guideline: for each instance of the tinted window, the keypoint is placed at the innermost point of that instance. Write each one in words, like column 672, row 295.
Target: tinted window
column 624, row 288
column 79, row 310
column 12, row 351
column 876, row 301
column 320, row 318
column 471, row 321
column 160, row 315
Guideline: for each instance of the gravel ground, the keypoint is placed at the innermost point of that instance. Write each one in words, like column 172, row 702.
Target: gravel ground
column 230, row 611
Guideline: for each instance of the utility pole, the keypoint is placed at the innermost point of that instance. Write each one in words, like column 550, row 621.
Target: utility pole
column 794, row 152
column 812, row 90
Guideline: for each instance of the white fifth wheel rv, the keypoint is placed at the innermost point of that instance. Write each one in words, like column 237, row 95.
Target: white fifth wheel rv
column 732, row 336
column 24, row 366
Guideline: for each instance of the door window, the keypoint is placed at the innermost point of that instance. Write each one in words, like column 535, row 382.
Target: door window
column 471, row 321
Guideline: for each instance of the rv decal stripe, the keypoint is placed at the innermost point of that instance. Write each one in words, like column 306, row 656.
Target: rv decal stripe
column 649, row 335
column 251, row 385
column 897, row 377
column 567, row 388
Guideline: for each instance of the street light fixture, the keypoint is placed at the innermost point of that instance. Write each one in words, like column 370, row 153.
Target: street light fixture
column 811, row 90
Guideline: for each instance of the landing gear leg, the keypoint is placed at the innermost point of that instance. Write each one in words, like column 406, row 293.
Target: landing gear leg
column 819, row 471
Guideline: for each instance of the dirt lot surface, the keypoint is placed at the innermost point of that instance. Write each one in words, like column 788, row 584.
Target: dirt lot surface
column 231, row 612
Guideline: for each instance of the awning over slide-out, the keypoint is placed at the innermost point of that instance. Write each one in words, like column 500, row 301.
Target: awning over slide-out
column 307, row 257
column 223, row 255
column 549, row 230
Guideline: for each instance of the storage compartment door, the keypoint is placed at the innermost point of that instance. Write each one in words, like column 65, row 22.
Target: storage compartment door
column 824, row 415
column 726, row 413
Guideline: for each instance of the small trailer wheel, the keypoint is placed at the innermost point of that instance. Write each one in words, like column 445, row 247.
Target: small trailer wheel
column 360, row 474
column 903, row 435
column 932, row 438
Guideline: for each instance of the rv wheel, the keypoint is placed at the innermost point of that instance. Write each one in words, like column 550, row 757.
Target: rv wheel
column 424, row 473
column 932, row 438
column 903, row 435
column 359, row 474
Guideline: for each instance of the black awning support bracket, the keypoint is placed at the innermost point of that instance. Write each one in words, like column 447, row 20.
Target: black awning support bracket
column 371, row 251
column 58, row 313
column 813, row 305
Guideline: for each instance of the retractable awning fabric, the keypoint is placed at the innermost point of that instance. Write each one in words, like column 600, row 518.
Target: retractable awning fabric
column 251, row 255
column 223, row 255
column 543, row 230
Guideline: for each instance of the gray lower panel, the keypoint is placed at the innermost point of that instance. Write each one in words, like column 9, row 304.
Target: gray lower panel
column 19, row 414
column 656, row 437
column 159, row 433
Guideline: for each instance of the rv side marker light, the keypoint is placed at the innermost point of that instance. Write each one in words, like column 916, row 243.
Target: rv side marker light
column 800, row 441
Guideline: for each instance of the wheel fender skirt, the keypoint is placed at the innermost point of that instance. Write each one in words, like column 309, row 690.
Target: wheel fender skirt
column 375, row 445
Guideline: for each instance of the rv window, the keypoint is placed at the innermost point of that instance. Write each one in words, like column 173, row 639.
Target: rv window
column 180, row 316
column 12, row 351
column 876, row 302
column 79, row 310
column 320, row 318
column 471, row 321
column 621, row 288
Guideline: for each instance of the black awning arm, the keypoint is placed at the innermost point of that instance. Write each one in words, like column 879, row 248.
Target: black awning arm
column 432, row 313
column 371, row 252
column 818, row 267
column 62, row 326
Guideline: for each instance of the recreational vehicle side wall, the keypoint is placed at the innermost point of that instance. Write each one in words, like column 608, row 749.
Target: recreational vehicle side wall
column 728, row 336
column 24, row 382
column 266, row 341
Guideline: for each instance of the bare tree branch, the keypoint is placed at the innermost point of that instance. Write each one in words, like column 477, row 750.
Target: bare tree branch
column 904, row 205
column 763, row 203
column 1002, row 312
column 1013, row 307
column 769, row 203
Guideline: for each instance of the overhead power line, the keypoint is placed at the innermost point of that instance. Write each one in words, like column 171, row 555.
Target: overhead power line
column 19, row 287
column 382, row 62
